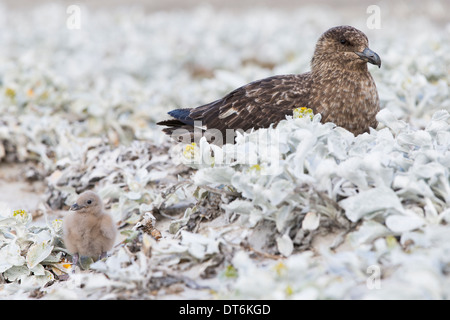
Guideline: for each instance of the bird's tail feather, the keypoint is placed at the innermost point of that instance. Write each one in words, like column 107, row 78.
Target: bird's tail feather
column 181, row 128
column 183, row 115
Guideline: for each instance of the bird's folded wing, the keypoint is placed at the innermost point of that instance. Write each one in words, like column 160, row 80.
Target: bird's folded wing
column 257, row 104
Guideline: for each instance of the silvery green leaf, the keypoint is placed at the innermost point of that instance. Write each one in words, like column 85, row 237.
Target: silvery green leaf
column 53, row 258
column 338, row 147
column 281, row 217
column 145, row 208
column 246, row 185
column 431, row 212
column 285, row 245
column 34, row 281
column 134, row 195
column 112, row 263
column 445, row 215
column 198, row 245
column 246, row 153
column 10, row 256
column 253, row 218
column 311, row 221
column 38, row 270
column 386, row 117
column 43, row 236
column 430, row 170
column 402, row 223
column 419, row 138
column 367, row 232
column 16, row 272
column 370, row 201
column 206, row 158
column 133, row 218
column 37, row 253
column 278, row 191
column 110, row 191
column 351, row 170
column 439, row 122
column 7, row 222
column 242, row 262
column 411, row 184
column 197, row 250
column 5, row 210
column 239, row 206
column 175, row 225
column 221, row 175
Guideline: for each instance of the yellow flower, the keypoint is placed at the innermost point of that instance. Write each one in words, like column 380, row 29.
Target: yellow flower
column 21, row 216
column 57, row 225
column 289, row 291
column 256, row 167
column 67, row 266
column 11, row 93
column 391, row 242
column 280, row 268
column 189, row 151
column 303, row 112
column 231, row 272
column 20, row 212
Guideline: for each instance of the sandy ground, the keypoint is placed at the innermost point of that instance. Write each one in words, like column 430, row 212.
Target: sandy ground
column 13, row 183
column 19, row 193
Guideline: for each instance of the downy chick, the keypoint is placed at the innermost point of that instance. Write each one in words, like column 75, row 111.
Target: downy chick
column 88, row 231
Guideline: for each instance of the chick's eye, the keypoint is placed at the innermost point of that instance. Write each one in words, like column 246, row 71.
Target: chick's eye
column 89, row 201
column 343, row 41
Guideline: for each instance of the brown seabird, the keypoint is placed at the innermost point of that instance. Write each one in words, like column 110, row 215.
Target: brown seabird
column 339, row 87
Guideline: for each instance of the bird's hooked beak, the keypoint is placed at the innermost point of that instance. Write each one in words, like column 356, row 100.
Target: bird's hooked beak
column 75, row 207
column 370, row 56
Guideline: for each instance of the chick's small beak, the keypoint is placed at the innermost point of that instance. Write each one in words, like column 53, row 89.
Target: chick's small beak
column 370, row 56
column 75, row 207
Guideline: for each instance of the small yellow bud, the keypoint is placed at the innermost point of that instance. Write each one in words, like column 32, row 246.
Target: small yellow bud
column 11, row 93
column 280, row 268
column 189, row 151
column 21, row 216
column 303, row 112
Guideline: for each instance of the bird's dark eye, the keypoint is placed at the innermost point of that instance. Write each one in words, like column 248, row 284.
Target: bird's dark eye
column 89, row 201
column 343, row 41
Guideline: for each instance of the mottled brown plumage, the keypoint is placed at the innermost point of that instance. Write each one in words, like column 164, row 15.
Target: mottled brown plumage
column 339, row 87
